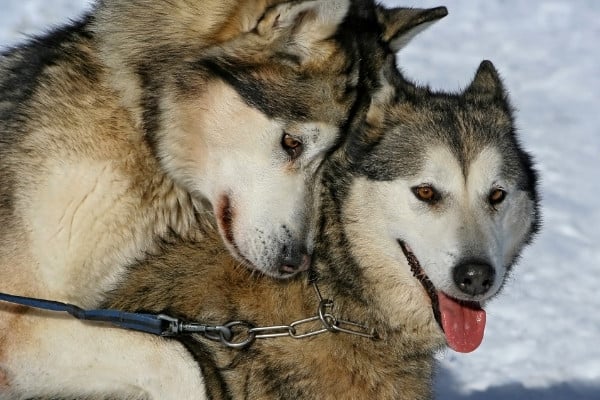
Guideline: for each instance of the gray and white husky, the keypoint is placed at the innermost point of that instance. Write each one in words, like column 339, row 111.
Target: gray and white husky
column 450, row 186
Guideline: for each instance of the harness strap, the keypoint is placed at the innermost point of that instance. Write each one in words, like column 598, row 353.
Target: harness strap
column 156, row 324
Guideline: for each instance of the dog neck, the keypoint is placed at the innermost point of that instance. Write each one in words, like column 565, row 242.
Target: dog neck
column 326, row 366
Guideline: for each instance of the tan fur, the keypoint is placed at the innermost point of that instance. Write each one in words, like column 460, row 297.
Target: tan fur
column 100, row 166
column 86, row 191
column 328, row 366
column 397, row 365
column 188, row 26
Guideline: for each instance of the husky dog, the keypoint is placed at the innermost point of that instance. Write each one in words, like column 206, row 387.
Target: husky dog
column 120, row 130
column 423, row 212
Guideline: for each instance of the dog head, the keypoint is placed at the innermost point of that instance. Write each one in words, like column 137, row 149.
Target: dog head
column 243, row 115
column 441, row 202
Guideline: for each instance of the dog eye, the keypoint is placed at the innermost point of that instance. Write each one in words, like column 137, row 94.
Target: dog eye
column 496, row 196
column 292, row 146
column 426, row 193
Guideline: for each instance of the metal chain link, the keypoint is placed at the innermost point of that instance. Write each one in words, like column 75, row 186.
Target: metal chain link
column 240, row 334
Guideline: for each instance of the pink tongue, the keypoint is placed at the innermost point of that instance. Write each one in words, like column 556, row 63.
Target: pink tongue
column 462, row 324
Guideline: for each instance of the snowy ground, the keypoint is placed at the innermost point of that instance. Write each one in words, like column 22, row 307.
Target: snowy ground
column 543, row 334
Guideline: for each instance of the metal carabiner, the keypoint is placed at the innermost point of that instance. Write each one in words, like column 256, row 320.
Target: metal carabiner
column 173, row 325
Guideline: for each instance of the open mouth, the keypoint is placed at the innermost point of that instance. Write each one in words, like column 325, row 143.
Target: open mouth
column 463, row 322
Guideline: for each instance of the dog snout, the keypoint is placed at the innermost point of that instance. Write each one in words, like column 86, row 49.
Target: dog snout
column 474, row 277
column 296, row 259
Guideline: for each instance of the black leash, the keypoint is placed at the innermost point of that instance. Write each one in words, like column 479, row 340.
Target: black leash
column 233, row 334
column 156, row 324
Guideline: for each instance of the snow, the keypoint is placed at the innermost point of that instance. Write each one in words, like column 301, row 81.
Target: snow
column 543, row 333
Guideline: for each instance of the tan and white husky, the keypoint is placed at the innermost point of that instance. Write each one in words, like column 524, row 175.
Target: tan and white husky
column 124, row 127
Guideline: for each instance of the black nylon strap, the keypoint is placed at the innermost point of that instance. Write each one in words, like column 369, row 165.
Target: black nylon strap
column 156, row 324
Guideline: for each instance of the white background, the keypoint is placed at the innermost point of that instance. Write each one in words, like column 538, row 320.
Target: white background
column 543, row 334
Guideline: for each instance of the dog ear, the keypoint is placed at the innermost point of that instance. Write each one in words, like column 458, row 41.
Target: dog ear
column 486, row 83
column 400, row 25
column 386, row 94
column 300, row 26
column 393, row 89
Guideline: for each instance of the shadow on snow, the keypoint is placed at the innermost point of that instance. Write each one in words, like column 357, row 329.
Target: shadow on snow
column 447, row 388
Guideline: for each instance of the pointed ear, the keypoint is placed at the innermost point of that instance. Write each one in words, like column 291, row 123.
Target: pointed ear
column 368, row 126
column 381, row 99
column 386, row 94
column 486, row 83
column 300, row 26
column 400, row 25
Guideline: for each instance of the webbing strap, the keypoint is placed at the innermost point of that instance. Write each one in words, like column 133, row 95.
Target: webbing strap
column 157, row 324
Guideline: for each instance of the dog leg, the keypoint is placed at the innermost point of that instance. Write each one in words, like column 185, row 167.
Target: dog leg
column 67, row 358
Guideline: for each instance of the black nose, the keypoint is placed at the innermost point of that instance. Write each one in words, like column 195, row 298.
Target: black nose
column 474, row 278
column 295, row 260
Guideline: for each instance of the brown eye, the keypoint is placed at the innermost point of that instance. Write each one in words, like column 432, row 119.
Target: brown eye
column 292, row 146
column 426, row 193
column 496, row 196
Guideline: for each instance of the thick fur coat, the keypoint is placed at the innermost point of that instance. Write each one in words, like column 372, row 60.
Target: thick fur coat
column 123, row 128
column 373, row 259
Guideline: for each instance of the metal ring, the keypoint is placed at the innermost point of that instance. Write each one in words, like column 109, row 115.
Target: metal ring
column 328, row 320
column 237, row 344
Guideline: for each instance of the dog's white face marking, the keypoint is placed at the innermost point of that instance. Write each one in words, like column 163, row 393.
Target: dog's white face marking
column 462, row 225
column 256, row 172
